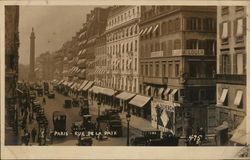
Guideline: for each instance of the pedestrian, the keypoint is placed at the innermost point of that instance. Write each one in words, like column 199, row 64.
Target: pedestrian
column 51, row 136
column 33, row 134
column 27, row 137
column 44, row 100
column 30, row 117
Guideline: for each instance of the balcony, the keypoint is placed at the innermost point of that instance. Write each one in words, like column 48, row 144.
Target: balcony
column 188, row 52
column 157, row 54
column 156, row 80
column 231, row 78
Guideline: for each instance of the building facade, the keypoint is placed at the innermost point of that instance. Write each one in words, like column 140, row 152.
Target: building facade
column 11, row 74
column 122, row 47
column 96, row 24
column 231, row 66
column 178, row 62
column 101, row 61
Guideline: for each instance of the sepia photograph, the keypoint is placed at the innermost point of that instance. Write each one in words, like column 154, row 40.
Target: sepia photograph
column 126, row 75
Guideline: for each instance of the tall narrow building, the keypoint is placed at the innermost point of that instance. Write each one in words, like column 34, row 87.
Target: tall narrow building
column 32, row 56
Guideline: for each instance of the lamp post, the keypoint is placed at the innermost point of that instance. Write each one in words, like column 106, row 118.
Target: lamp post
column 99, row 106
column 128, row 116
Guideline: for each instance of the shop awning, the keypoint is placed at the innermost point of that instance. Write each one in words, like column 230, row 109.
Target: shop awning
column 96, row 89
column 156, row 27
column 238, row 98
column 160, row 91
column 88, row 85
column 60, row 82
column 144, row 31
column 139, row 100
column 174, row 91
column 125, row 95
column 83, row 84
column 149, row 30
column 239, row 134
column 222, row 127
column 108, row 91
column 223, row 95
column 71, row 84
column 167, row 91
column 141, row 31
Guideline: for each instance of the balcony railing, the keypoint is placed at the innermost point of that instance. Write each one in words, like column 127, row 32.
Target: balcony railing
column 156, row 80
column 231, row 78
column 157, row 54
column 188, row 52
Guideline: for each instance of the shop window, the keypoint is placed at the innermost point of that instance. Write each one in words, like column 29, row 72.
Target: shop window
column 239, row 8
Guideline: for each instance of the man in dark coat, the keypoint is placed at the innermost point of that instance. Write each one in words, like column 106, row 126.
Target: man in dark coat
column 33, row 134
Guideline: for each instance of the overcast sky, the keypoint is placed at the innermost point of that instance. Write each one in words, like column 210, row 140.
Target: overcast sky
column 53, row 25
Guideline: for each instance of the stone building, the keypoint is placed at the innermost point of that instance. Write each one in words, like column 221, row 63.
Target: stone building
column 11, row 73
column 177, row 64
column 122, row 34
column 231, row 67
column 96, row 24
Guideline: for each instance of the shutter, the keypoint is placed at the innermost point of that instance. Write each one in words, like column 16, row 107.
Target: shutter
column 220, row 64
column 221, row 29
column 234, row 63
column 229, row 64
column 244, row 63
column 244, row 26
column 235, row 27
column 229, row 29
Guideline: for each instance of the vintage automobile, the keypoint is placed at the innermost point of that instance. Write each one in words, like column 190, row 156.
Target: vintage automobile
column 146, row 136
column 39, row 91
column 87, row 123
column 85, row 141
column 59, row 122
column 51, row 94
column 67, row 103
column 115, row 126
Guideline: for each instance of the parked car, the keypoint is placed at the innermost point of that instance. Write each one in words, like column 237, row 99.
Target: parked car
column 85, row 141
column 51, row 94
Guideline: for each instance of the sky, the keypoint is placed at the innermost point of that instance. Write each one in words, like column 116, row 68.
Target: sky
column 53, row 25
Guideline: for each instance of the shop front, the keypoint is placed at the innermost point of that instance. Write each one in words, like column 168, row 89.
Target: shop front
column 140, row 107
column 124, row 98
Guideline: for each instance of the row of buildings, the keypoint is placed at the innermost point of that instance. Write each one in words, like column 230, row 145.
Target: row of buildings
column 190, row 61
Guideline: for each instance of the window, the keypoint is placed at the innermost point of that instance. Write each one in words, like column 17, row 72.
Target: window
column 239, row 29
column 177, row 24
column 177, row 70
column 177, row 44
column 157, row 69
column 151, row 69
column 127, row 48
column 163, row 70
column 169, row 47
column 142, row 73
column 157, row 46
column 163, row 28
column 238, row 99
column 239, row 8
column 226, row 64
column 135, row 45
column 239, row 65
column 146, row 70
column 135, row 29
column 224, row 97
column 131, row 46
column 225, row 31
column 163, row 46
column 135, row 64
column 170, row 70
column 123, row 64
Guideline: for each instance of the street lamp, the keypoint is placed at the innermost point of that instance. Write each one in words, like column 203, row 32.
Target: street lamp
column 99, row 106
column 128, row 116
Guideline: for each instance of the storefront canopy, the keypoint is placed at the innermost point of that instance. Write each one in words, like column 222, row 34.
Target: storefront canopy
column 83, row 84
column 239, row 134
column 108, row 91
column 88, row 85
column 60, row 82
column 125, row 95
column 139, row 100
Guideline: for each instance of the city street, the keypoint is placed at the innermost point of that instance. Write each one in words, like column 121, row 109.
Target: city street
column 73, row 116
